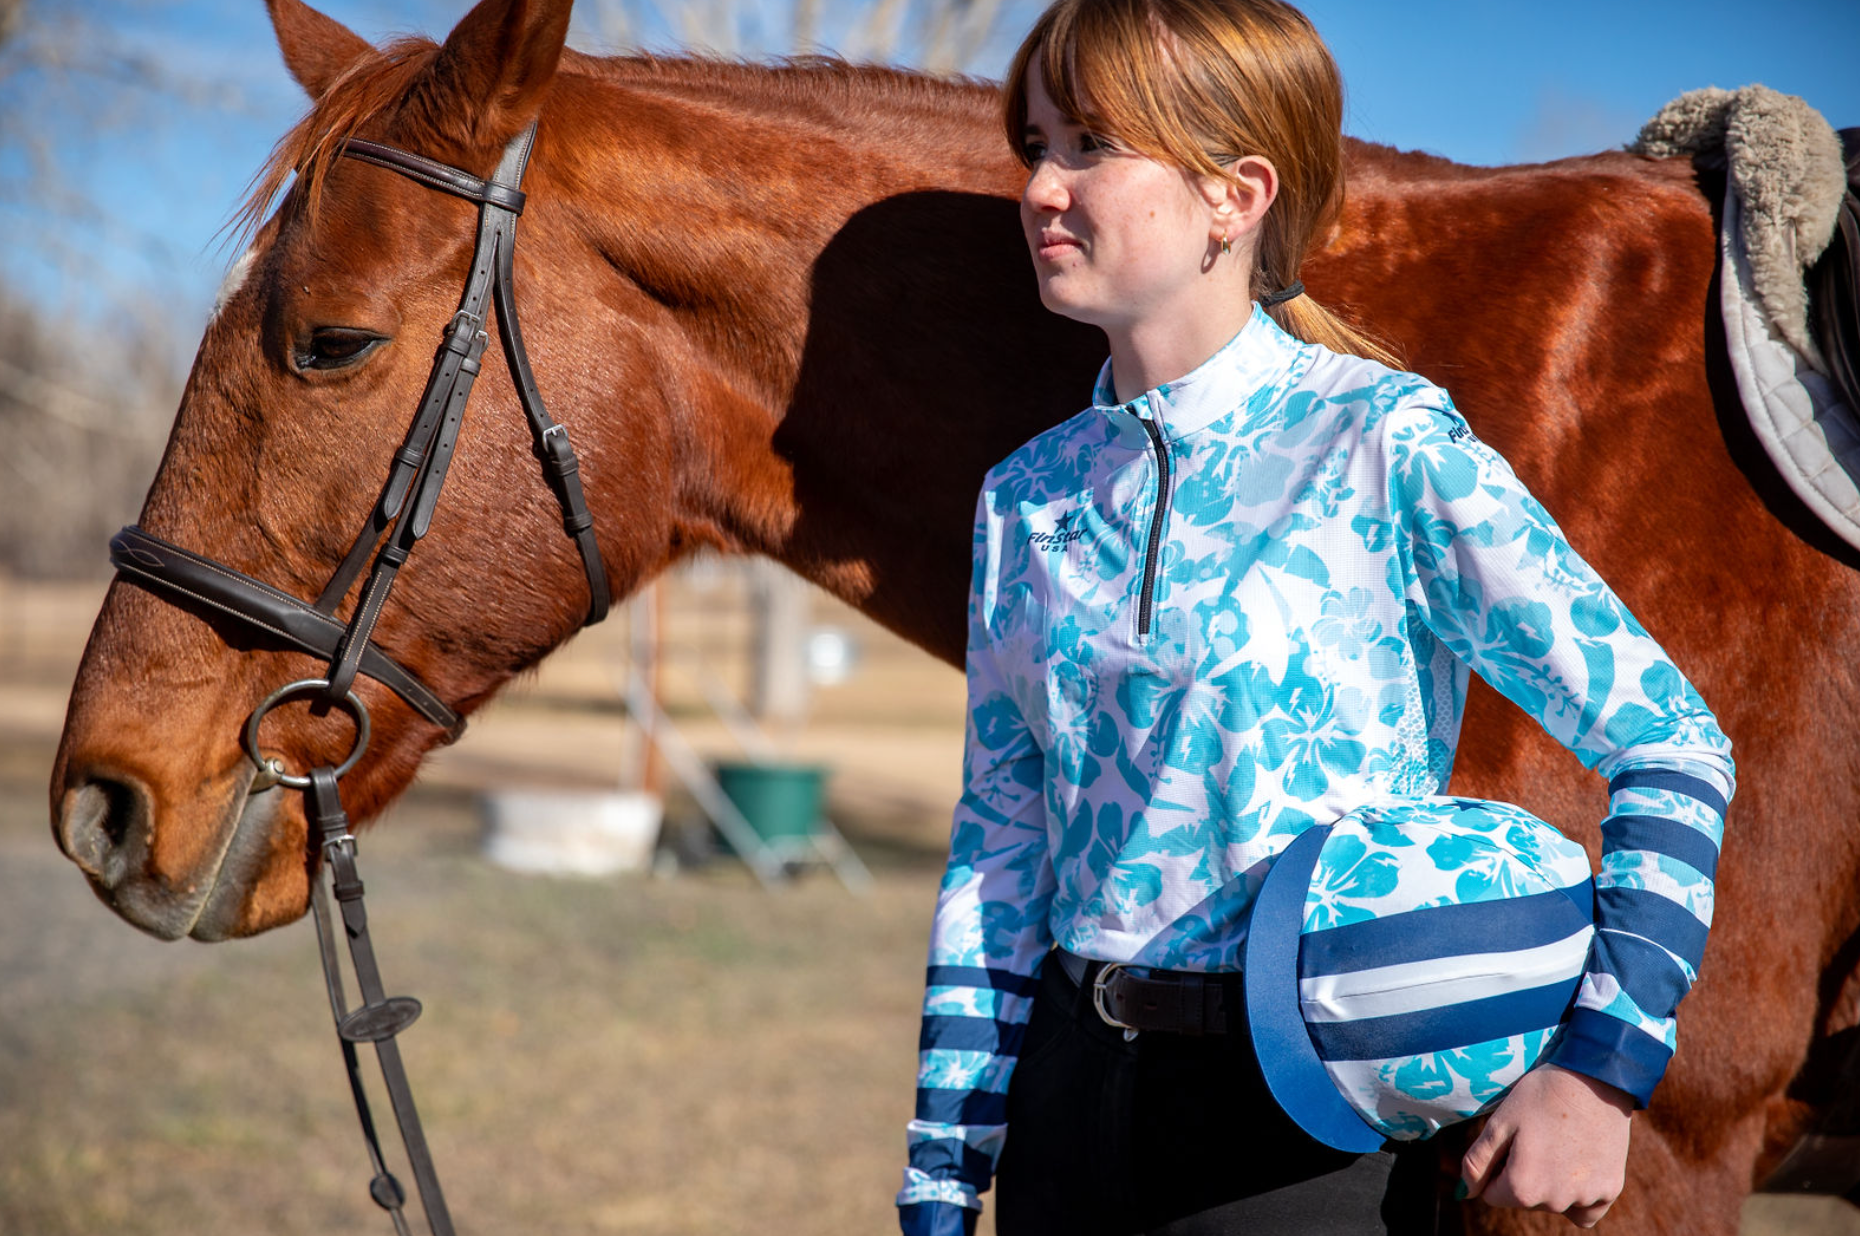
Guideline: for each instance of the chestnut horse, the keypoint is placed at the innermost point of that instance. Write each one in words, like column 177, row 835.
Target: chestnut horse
column 788, row 311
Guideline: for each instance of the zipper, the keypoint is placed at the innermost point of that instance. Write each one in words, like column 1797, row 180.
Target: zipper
column 1156, row 523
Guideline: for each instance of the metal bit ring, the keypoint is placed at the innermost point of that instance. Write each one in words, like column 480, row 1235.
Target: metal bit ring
column 270, row 766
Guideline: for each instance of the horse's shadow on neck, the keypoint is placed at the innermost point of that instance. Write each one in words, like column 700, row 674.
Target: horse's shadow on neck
column 927, row 358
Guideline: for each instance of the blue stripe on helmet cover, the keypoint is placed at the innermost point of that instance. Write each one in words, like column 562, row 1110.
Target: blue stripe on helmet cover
column 1446, row 1028
column 1433, row 932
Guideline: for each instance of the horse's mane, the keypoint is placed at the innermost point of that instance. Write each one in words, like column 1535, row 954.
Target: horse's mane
column 784, row 82
column 827, row 86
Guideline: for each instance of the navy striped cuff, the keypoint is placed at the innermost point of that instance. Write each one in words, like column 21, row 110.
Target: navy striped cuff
column 951, row 1158
column 937, row 1219
column 1610, row 1050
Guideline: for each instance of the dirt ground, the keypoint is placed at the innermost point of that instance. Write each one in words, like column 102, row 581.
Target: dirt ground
column 640, row 1054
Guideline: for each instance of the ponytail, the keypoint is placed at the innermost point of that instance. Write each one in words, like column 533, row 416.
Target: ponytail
column 1304, row 318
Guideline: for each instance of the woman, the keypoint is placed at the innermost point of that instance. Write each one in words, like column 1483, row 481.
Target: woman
column 1232, row 601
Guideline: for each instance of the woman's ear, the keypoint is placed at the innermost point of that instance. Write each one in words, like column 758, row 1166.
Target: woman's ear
column 1241, row 198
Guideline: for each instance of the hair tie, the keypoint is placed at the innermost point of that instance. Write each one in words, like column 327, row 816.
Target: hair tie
column 1294, row 288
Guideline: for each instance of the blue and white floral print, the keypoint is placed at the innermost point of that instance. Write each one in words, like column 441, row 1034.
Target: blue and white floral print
column 1243, row 604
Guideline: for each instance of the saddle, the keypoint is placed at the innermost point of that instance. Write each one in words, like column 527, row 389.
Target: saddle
column 1789, row 248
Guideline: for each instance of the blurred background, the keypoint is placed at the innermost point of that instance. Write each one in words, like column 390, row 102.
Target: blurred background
column 658, row 1044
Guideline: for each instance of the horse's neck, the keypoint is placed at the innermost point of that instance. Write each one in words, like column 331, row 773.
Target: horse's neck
column 834, row 260
column 713, row 188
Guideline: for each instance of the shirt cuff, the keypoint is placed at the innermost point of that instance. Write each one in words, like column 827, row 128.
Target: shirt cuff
column 936, row 1219
column 920, row 1187
column 1613, row 1051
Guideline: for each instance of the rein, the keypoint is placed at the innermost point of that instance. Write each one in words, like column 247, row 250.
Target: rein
column 403, row 512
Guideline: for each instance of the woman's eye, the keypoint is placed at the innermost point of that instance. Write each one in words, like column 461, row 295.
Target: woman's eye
column 1033, row 152
column 334, row 347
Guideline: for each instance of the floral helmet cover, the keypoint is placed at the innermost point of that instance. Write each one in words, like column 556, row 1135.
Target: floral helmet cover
column 1407, row 964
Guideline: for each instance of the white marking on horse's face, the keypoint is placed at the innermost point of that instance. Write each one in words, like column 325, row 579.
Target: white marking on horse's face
column 235, row 279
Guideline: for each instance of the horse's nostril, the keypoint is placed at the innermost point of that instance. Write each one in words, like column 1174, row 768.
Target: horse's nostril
column 99, row 815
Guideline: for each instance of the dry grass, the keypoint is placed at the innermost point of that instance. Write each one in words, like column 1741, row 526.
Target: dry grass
column 665, row 1056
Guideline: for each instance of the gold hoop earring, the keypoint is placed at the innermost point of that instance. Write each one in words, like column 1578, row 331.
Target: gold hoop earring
column 1227, row 246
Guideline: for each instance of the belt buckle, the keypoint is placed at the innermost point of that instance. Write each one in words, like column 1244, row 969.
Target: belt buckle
column 1098, row 997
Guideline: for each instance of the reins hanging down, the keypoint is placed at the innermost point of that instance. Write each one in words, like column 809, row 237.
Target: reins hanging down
column 403, row 512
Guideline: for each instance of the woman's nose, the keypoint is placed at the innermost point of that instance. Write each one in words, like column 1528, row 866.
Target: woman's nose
column 1046, row 189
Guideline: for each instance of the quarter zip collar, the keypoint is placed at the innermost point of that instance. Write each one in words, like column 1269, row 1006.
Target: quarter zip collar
column 1259, row 360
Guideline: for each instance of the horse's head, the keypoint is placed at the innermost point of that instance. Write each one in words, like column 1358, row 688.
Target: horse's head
column 304, row 385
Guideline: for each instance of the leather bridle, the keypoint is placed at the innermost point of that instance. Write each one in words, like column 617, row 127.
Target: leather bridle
column 403, row 513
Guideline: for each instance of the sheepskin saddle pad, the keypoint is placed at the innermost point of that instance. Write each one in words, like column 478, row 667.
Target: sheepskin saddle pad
column 1789, row 280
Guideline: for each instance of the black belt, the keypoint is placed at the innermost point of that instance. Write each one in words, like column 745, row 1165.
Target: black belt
column 1166, row 1001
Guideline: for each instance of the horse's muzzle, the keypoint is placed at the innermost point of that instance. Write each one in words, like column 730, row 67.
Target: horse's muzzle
column 106, row 823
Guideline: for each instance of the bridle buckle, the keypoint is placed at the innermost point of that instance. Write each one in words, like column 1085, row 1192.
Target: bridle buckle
column 473, row 322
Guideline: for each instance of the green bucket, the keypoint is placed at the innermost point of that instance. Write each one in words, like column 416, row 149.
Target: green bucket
column 782, row 802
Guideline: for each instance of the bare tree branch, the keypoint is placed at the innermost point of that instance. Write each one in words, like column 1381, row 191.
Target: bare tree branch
column 59, row 402
column 84, row 404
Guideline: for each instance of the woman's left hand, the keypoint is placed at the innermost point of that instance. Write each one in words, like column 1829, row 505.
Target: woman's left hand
column 1557, row 1142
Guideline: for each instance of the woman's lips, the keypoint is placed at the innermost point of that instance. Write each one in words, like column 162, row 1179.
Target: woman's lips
column 1051, row 247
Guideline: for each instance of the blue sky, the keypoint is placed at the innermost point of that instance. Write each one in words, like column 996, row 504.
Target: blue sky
column 150, row 176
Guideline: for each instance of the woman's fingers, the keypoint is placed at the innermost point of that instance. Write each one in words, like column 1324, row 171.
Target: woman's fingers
column 1588, row 1216
column 1485, row 1159
column 1557, row 1142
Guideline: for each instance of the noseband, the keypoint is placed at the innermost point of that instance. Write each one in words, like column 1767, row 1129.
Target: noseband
column 403, row 512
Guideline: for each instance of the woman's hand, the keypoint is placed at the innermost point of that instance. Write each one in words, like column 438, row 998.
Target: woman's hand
column 1557, row 1142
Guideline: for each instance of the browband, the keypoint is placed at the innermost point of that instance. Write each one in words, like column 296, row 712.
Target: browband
column 436, row 175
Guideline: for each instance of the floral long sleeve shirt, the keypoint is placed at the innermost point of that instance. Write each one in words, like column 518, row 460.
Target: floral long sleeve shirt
column 1242, row 604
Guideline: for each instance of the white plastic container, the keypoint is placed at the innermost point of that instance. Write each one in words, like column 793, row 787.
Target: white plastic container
column 571, row 832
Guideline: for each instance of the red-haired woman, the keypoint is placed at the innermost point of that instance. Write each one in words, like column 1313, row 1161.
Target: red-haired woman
column 1233, row 602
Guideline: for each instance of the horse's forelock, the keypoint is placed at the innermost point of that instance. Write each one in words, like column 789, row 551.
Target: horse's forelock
column 371, row 87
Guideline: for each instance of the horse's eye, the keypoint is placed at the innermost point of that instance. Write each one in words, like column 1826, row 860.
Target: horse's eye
column 335, row 347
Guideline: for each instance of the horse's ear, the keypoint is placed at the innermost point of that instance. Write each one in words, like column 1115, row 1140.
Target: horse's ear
column 316, row 48
column 489, row 78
